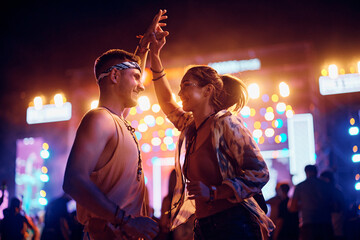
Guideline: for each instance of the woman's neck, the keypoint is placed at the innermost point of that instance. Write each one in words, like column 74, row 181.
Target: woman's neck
column 201, row 114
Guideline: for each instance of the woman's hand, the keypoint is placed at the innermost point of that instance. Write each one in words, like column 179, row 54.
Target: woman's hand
column 155, row 24
column 198, row 190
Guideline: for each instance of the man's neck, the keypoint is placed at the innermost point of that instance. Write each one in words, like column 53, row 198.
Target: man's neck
column 112, row 106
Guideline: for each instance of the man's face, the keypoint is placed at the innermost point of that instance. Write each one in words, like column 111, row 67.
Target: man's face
column 129, row 86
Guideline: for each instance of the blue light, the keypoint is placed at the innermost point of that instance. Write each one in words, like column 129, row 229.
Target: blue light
column 353, row 131
column 356, row 158
column 169, row 132
column 357, row 186
column 146, row 147
column 138, row 135
column 279, row 123
column 171, row 147
column 44, row 154
column 44, row 177
column 43, row 201
column 283, row 137
column 155, row 161
column 146, row 179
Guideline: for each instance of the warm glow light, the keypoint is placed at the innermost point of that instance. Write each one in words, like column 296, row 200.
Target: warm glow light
column 284, row 89
column 280, row 107
column 163, row 147
column 161, row 133
column 355, row 148
column 358, row 66
column 155, row 108
column 342, row 71
column 289, row 113
column 275, row 98
column 144, row 103
column 269, row 109
column 352, row 121
column 132, row 111
column 252, row 112
column 59, row 100
column 44, row 169
column 45, row 146
column 176, row 132
column 277, row 139
column 149, row 120
column 38, row 103
column 168, row 140
column 352, row 69
column 254, row 91
column 94, row 104
column 257, row 125
column 333, row 71
column 324, row 72
column 42, row 193
column 357, row 177
column 261, row 140
column 160, row 120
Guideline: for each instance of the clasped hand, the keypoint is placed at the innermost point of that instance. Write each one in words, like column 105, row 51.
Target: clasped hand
column 198, row 190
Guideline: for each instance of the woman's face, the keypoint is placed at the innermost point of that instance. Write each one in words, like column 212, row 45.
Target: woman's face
column 191, row 94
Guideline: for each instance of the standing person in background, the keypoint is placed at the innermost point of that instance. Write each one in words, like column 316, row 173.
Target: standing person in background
column 104, row 170
column 313, row 199
column 223, row 166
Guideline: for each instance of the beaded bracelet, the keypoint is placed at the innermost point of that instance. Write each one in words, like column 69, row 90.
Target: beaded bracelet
column 157, row 71
column 155, row 79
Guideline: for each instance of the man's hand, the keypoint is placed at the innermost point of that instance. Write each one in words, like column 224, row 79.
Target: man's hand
column 198, row 190
column 155, row 24
column 141, row 227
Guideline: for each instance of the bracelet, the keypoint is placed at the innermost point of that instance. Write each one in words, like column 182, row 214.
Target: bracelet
column 212, row 191
column 157, row 71
column 155, row 79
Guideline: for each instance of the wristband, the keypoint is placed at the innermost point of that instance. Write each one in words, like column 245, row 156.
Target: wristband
column 157, row 71
column 155, row 79
column 212, row 190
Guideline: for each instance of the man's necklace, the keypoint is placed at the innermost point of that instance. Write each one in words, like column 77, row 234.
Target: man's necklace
column 132, row 132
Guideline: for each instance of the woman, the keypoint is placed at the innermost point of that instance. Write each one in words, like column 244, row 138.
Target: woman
column 223, row 167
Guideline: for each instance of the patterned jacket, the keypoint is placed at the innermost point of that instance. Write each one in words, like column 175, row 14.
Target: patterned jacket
column 241, row 165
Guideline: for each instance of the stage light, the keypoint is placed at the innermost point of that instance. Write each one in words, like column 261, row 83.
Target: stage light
column 269, row 132
column 275, row 98
column 38, row 103
column 284, row 89
column 146, row 147
column 352, row 121
column 357, row 177
column 352, row 69
column 43, row 201
column 333, row 71
column 269, row 109
column 342, row 71
column 257, row 133
column 142, row 127
column 58, row 100
column 169, row 132
column 280, row 107
column 289, row 113
column 160, row 120
column 277, row 139
column 44, row 154
column 257, row 125
column 262, row 111
column 265, row 98
column 254, row 91
column 324, row 72
column 138, row 135
column 261, row 140
column 44, row 177
column 45, row 146
column 171, row 147
column 44, row 169
column 279, row 123
column 353, row 131
column 134, row 123
column 264, row 125
column 156, row 141
column 163, row 147
column 161, row 133
column 245, row 112
column 252, row 112
column 358, row 65
column 176, row 132
column 355, row 158
column 357, row 186
column 355, row 148
column 168, row 140
column 155, row 108
column 269, row 116
column 144, row 103
column 94, row 104
column 283, row 137
column 149, row 120
column 42, row 193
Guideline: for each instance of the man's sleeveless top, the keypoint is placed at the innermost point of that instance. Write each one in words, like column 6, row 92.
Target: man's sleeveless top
column 117, row 179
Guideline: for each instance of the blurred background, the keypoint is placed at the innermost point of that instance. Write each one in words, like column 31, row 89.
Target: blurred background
column 300, row 60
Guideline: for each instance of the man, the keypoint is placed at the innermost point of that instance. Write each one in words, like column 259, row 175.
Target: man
column 104, row 169
column 313, row 198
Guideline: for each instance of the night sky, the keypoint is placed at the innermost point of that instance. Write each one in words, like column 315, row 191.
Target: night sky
column 42, row 40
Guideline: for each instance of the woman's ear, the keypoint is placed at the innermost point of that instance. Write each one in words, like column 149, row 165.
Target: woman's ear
column 209, row 89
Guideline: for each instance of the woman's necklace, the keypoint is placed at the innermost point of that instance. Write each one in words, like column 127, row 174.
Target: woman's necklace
column 132, row 132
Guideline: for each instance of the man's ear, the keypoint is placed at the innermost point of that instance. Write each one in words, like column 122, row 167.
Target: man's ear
column 114, row 76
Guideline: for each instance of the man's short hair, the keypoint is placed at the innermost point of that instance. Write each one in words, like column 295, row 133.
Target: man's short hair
column 311, row 169
column 112, row 57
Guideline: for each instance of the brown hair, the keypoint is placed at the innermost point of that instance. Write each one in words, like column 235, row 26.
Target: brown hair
column 234, row 93
column 109, row 58
column 206, row 75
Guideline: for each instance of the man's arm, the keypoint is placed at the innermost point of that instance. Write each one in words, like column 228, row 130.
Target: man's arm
column 95, row 130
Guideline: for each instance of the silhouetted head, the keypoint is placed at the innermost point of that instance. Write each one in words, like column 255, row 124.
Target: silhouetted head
column 311, row 171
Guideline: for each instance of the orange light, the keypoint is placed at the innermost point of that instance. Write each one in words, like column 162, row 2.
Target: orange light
column 355, row 149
